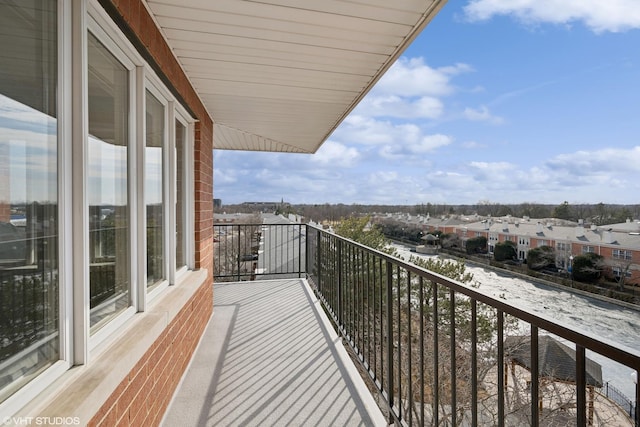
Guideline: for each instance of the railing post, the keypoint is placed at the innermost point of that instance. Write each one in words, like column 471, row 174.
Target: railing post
column 581, row 387
column 239, row 254
column 637, row 411
column 300, row 250
column 390, row 382
column 318, row 271
column 340, row 323
column 535, row 370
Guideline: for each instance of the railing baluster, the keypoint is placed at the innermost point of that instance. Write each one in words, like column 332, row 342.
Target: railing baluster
column 421, row 296
column 390, row 382
column 239, row 254
column 410, row 350
column 340, row 300
column 581, row 386
column 637, row 411
column 436, row 352
column 452, row 332
column 535, row 380
column 300, row 250
column 474, row 363
column 399, row 341
column 501, row 374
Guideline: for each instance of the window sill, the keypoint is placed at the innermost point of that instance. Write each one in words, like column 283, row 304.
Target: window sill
column 82, row 390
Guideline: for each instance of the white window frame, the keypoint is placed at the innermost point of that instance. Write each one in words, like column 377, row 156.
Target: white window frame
column 103, row 29
column 154, row 86
column 183, row 117
column 32, row 389
column 76, row 344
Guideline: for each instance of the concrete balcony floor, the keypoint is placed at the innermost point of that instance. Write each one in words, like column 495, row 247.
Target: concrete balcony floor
column 269, row 356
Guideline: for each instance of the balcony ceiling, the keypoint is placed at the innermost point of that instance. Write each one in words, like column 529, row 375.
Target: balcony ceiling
column 282, row 75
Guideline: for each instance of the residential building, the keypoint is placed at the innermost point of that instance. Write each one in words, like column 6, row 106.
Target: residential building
column 620, row 249
column 109, row 111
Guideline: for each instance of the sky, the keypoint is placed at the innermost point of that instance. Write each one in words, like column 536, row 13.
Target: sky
column 497, row 101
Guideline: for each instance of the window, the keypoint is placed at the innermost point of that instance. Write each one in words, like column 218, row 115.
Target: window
column 40, row 291
column 154, row 189
column 108, row 176
column 588, row 249
column 542, row 242
column 29, row 288
column 619, row 272
column 622, row 254
column 181, row 192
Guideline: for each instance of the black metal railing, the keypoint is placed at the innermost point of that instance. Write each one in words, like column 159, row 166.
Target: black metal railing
column 620, row 398
column 442, row 352
column 28, row 295
column 249, row 251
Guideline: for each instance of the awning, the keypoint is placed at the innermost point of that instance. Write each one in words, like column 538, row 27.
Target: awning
column 282, row 75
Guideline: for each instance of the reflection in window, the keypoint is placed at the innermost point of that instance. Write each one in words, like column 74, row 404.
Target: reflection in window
column 181, row 214
column 109, row 249
column 153, row 194
column 29, row 312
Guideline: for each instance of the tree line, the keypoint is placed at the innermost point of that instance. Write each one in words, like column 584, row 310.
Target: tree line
column 599, row 214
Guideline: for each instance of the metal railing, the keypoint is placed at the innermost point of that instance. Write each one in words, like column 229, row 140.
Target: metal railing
column 619, row 397
column 250, row 251
column 28, row 295
column 437, row 349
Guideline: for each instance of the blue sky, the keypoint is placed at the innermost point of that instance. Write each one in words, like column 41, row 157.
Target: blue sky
column 496, row 101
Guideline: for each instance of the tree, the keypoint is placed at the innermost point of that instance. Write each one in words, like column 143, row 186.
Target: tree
column 562, row 211
column 450, row 241
column 477, row 245
column 541, row 258
column 619, row 268
column 587, row 267
column 359, row 230
column 504, row 251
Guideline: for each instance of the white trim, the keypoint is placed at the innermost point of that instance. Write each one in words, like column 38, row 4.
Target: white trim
column 172, row 172
column 65, row 181
column 107, row 333
column 163, row 96
column 112, row 35
column 80, row 135
column 181, row 116
column 140, row 266
column 96, row 337
column 190, row 199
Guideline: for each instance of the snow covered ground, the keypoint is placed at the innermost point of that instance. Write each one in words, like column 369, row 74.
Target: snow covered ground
column 614, row 322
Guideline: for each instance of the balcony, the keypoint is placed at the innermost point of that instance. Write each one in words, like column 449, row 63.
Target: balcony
column 433, row 351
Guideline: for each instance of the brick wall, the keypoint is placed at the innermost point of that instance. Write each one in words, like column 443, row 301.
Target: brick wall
column 142, row 398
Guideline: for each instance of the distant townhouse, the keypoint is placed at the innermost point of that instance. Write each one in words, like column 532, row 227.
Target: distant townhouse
column 618, row 244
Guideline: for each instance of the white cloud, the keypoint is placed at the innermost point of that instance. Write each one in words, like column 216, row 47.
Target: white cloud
column 411, row 77
column 600, row 16
column 472, row 144
column 607, row 160
column 411, row 151
column 411, row 89
column 395, row 106
column 482, row 114
column 335, row 154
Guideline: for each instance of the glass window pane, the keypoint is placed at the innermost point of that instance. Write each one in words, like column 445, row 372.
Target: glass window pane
column 29, row 298
column 181, row 133
column 109, row 223
column 153, row 194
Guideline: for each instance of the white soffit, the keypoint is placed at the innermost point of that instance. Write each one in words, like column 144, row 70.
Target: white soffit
column 282, row 75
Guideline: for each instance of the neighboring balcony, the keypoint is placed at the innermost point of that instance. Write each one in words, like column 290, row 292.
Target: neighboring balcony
column 432, row 350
